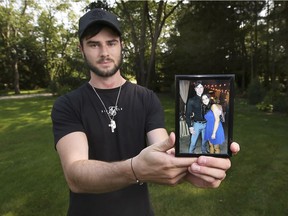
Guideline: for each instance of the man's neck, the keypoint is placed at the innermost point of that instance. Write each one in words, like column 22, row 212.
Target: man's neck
column 106, row 82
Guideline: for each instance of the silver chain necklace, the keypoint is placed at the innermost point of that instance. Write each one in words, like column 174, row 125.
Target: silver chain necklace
column 112, row 110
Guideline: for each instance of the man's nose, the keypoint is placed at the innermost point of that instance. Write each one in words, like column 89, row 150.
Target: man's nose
column 104, row 50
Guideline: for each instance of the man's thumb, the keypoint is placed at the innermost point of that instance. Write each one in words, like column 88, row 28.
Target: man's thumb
column 167, row 144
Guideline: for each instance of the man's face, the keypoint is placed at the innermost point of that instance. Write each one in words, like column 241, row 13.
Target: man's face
column 199, row 89
column 103, row 53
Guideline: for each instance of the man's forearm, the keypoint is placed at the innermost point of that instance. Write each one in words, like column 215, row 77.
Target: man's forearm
column 91, row 176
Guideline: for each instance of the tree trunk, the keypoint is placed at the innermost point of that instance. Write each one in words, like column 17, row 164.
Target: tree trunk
column 142, row 49
column 16, row 77
column 255, row 56
column 161, row 18
column 267, row 72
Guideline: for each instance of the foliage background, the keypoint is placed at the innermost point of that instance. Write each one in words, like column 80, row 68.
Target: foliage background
column 39, row 44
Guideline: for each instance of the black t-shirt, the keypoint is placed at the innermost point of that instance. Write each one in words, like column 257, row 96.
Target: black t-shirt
column 138, row 112
column 194, row 110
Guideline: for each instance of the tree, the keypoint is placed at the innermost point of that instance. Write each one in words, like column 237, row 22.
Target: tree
column 278, row 39
column 216, row 37
column 13, row 22
column 145, row 25
column 63, row 62
column 39, row 43
column 247, row 15
column 201, row 45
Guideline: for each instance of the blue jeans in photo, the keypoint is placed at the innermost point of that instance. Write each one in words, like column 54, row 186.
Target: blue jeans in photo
column 199, row 128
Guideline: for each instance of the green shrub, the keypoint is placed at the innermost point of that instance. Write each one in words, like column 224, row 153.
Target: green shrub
column 63, row 85
column 276, row 100
column 265, row 107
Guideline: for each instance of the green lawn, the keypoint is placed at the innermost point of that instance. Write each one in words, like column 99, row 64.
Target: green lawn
column 32, row 183
column 23, row 92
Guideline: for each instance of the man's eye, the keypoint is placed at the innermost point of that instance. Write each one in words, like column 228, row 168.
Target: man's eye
column 111, row 43
column 94, row 45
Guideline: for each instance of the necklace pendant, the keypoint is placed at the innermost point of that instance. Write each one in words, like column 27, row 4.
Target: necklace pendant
column 112, row 125
column 112, row 109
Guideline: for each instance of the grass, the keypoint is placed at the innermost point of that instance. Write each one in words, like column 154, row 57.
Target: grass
column 31, row 179
column 23, row 92
column 32, row 183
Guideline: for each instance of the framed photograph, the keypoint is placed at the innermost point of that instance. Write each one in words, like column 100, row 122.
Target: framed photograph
column 204, row 115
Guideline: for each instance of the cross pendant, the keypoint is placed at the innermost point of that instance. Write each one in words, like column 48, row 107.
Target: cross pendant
column 112, row 125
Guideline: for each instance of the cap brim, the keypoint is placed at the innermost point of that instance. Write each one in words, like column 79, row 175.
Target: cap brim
column 100, row 22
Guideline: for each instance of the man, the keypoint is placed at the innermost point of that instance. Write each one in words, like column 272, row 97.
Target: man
column 103, row 128
column 195, row 119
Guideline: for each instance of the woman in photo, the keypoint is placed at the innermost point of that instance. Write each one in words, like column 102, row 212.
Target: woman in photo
column 214, row 132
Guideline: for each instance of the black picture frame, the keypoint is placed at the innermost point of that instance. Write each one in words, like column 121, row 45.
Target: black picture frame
column 220, row 88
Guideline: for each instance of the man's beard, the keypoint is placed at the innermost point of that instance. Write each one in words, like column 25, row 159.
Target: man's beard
column 104, row 73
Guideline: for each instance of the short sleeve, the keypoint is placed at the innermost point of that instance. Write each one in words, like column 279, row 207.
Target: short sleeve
column 155, row 113
column 65, row 119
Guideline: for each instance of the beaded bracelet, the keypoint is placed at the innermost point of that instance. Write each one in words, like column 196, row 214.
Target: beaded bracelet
column 137, row 180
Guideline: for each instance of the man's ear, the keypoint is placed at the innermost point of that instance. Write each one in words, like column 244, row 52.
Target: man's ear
column 81, row 50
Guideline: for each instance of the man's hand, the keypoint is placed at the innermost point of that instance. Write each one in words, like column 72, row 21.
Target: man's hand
column 191, row 129
column 209, row 172
column 157, row 163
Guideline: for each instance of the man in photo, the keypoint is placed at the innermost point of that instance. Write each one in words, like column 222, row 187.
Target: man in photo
column 195, row 119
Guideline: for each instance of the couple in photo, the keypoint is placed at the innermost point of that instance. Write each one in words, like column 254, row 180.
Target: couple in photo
column 205, row 117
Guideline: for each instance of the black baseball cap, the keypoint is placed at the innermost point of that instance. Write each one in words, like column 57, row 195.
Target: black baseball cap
column 98, row 16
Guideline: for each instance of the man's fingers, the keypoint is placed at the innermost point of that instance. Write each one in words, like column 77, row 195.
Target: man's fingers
column 214, row 162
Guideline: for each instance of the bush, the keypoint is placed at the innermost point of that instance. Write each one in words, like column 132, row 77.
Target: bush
column 255, row 92
column 265, row 107
column 275, row 100
column 63, row 85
